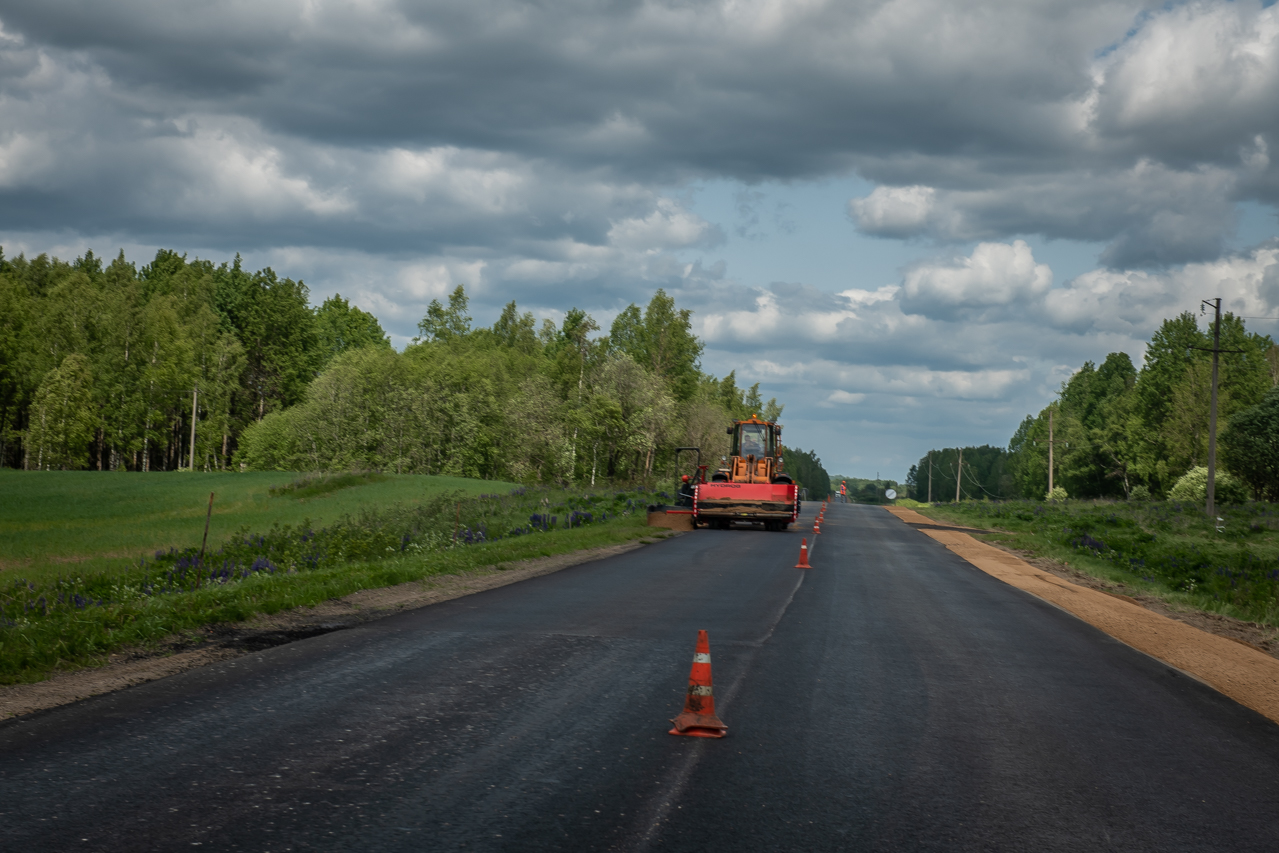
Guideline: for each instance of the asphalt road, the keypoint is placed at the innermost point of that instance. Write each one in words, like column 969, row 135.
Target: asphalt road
column 892, row 698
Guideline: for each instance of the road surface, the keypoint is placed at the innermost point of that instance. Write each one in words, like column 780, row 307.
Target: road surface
column 892, row 698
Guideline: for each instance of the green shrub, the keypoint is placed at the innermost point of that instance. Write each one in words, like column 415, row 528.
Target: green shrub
column 1193, row 488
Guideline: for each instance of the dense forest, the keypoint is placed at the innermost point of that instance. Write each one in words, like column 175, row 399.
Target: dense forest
column 1120, row 432
column 985, row 475
column 806, row 470
column 184, row 363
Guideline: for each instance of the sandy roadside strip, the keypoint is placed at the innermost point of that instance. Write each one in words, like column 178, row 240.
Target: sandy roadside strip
column 1245, row 674
column 127, row 669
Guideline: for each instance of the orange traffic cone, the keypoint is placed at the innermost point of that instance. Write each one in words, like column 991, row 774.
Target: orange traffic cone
column 698, row 719
column 803, row 555
column 817, row 527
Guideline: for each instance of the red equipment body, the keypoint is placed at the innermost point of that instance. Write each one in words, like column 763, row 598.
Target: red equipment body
column 746, row 502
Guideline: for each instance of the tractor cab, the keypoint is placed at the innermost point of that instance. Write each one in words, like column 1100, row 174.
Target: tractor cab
column 756, row 453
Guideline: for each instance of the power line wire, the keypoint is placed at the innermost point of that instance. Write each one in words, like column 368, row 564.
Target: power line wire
column 973, row 477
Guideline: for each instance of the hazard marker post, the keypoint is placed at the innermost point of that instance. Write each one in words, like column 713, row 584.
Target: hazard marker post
column 698, row 719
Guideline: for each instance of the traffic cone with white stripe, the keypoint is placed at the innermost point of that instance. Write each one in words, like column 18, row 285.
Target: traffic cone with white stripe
column 698, row 719
column 803, row 554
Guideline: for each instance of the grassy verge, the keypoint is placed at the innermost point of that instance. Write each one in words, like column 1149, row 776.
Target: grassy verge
column 1167, row 549
column 76, row 619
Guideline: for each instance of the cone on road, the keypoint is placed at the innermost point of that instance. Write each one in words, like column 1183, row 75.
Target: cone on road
column 698, row 719
column 803, row 555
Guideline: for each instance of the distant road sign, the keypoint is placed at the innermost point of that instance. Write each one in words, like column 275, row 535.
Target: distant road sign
column 891, row 494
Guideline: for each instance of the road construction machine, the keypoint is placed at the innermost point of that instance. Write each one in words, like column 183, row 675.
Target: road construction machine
column 750, row 486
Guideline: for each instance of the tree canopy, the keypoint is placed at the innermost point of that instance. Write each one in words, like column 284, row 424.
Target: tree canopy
column 1116, row 429
column 100, row 366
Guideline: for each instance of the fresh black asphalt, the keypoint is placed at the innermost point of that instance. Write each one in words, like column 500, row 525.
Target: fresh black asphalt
column 892, row 698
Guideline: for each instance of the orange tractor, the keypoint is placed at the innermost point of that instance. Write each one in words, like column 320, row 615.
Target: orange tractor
column 749, row 488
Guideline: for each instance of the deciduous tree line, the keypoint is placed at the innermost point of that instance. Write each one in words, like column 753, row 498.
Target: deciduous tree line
column 1120, row 432
column 104, row 367
column 551, row 404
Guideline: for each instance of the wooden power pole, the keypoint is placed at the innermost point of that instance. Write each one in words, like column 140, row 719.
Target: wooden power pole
column 959, row 477
column 1051, row 444
column 1212, row 407
column 1216, row 351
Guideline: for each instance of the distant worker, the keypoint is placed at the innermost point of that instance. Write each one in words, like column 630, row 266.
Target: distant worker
column 686, row 491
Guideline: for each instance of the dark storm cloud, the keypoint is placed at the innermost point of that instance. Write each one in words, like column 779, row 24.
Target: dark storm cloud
column 1055, row 118
column 751, row 90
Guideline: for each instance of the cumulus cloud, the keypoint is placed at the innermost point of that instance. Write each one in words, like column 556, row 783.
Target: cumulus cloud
column 894, row 211
column 1148, row 213
column 838, row 396
column 1196, row 83
column 994, row 275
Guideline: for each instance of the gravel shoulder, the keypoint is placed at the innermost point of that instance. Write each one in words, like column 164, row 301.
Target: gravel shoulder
column 224, row 642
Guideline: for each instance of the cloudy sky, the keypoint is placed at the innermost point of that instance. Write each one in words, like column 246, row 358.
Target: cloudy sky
column 909, row 219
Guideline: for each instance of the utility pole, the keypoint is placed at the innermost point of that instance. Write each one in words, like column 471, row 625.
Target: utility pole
column 930, row 476
column 1051, row 444
column 1216, row 351
column 1212, row 406
column 960, row 476
column 195, row 398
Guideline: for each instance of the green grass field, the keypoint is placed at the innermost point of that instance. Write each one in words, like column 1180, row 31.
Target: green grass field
column 96, row 562
column 55, row 522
